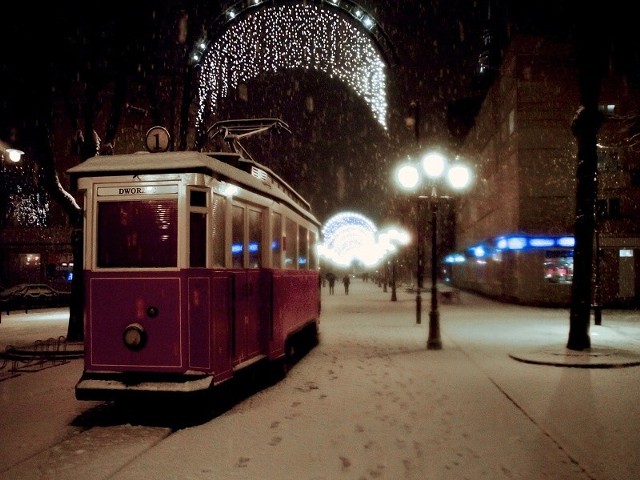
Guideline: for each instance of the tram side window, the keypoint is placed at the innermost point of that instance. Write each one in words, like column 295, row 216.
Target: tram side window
column 291, row 245
column 313, row 259
column 276, row 239
column 303, row 259
column 217, row 230
column 197, row 239
column 255, row 238
column 237, row 237
column 142, row 234
column 198, row 228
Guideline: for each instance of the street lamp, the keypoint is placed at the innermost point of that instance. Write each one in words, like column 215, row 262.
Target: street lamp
column 433, row 167
column 14, row 154
column 390, row 239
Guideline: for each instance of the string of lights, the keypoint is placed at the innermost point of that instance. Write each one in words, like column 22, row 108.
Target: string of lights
column 350, row 236
column 296, row 36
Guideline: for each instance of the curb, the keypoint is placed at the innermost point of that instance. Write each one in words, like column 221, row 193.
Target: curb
column 597, row 357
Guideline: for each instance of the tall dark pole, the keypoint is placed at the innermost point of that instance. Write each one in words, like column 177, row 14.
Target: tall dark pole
column 585, row 127
column 386, row 271
column 415, row 112
column 597, row 292
column 433, row 341
column 591, row 55
column 420, row 264
column 394, row 298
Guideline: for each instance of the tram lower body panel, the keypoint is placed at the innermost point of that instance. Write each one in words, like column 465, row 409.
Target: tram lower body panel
column 295, row 306
column 184, row 332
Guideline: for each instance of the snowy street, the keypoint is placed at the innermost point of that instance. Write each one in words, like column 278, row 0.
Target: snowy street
column 370, row 402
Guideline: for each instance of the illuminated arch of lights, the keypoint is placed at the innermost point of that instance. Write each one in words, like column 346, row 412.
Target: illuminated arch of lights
column 304, row 36
column 349, row 237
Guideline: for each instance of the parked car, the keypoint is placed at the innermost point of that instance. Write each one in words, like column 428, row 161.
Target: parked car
column 32, row 295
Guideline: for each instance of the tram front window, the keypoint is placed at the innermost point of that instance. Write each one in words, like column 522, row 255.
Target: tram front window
column 137, row 234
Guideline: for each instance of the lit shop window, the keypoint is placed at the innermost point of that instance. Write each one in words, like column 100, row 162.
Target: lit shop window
column 60, row 267
column 30, row 260
column 558, row 266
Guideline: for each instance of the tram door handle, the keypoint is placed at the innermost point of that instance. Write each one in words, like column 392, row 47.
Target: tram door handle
column 249, row 289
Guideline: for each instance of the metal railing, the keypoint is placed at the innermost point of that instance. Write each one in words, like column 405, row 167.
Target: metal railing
column 35, row 357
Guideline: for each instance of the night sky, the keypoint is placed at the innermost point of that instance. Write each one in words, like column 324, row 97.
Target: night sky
column 65, row 56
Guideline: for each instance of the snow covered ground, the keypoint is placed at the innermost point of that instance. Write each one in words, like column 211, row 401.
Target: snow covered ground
column 370, row 402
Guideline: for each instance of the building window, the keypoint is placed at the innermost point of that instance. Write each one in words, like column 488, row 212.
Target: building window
column 614, row 208
column 558, row 266
column 608, row 208
column 59, row 267
column 608, row 161
column 30, row 260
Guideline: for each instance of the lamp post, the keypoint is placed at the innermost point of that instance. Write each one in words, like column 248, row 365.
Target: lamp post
column 434, row 167
column 390, row 239
column 394, row 297
column 419, row 263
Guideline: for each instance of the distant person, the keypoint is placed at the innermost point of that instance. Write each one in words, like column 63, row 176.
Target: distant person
column 346, row 281
column 332, row 282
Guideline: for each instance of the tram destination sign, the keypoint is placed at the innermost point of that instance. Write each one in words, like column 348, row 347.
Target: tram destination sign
column 132, row 190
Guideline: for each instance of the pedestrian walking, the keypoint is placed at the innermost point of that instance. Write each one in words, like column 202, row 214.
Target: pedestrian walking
column 346, row 281
column 332, row 282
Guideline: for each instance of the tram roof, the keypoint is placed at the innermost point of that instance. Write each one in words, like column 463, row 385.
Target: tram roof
column 226, row 166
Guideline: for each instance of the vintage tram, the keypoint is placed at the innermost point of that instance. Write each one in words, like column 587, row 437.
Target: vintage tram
column 196, row 266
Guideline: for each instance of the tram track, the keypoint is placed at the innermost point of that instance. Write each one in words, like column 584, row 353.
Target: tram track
column 97, row 453
column 105, row 438
column 102, row 440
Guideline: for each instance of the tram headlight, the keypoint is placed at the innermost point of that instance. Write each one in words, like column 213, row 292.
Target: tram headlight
column 134, row 337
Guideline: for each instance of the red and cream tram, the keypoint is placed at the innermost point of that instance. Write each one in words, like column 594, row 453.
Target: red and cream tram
column 196, row 265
